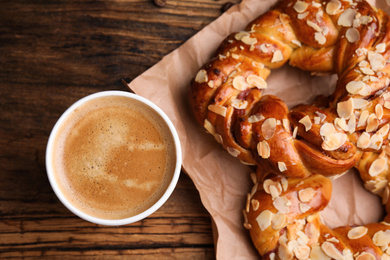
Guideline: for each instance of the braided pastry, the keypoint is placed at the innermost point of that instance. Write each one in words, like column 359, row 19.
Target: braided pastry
column 296, row 151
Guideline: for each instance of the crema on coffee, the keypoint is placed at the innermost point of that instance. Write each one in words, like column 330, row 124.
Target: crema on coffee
column 114, row 157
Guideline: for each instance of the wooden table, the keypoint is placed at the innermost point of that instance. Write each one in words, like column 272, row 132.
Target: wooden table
column 53, row 53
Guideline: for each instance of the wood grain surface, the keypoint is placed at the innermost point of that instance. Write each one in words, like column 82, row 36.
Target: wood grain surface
column 53, row 53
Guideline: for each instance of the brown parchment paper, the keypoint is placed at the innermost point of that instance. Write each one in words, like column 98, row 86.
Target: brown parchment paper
column 222, row 181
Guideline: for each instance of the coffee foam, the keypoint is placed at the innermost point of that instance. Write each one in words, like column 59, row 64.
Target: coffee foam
column 115, row 157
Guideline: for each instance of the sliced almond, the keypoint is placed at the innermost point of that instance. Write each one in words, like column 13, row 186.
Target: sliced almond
column 345, row 108
column 306, row 195
column 320, row 38
column 284, row 252
column 282, row 166
column 331, row 250
column 313, row 25
column 255, row 204
column 365, row 256
column 334, row 141
column 357, row 232
column 333, row 7
column 387, row 104
column 201, row 76
column 372, row 123
column 342, row 123
column 380, row 48
column 347, row 17
column 218, row 109
column 282, row 205
column 277, row 56
column 255, row 118
column 378, row 166
column 256, row 81
column 360, row 103
column 239, row 83
column 381, row 238
column 268, row 128
column 384, row 130
column 302, row 15
column 278, row 221
column 352, row 35
column 365, row 19
column 300, row 6
column 209, row 127
column 263, row 149
column 295, row 132
column 363, row 118
column 264, row 219
column 248, row 40
column 303, row 207
column 379, row 111
column 239, row 104
column 284, row 183
column 233, row 152
column 363, row 141
column 377, row 61
column 355, row 87
column 352, row 124
column 302, row 252
column 306, row 121
column 238, row 36
column 317, row 253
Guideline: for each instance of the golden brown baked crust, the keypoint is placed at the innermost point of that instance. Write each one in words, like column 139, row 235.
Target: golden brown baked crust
column 296, row 150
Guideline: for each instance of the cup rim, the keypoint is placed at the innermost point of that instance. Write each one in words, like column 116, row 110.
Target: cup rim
column 50, row 167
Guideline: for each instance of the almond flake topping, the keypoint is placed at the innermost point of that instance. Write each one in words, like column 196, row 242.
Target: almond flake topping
column 377, row 61
column 278, row 221
column 341, row 123
column 201, row 76
column 365, row 256
column 380, row 48
column 381, row 238
column 331, row 250
column 306, row 195
column 255, row 204
column 347, row 17
column 286, row 124
column 248, row 40
column 300, row 6
column 333, row 7
column 327, row 129
column 209, row 127
column 345, row 108
column 255, row 118
column 302, row 252
column 256, row 81
column 352, row 124
column 306, row 121
column 363, row 118
column 387, row 104
column 263, row 48
column 320, row 38
column 357, row 232
column 372, row 123
column 303, row 207
column 218, row 109
column 239, row 104
column 282, row 204
column 379, row 111
column 296, row 42
column 282, row 166
column 233, row 152
column 360, row 103
column 263, row 149
column 272, row 187
column 268, row 128
column 378, row 166
column 365, row 19
column 239, row 83
column 334, row 141
column 264, row 219
column 317, row 253
column 355, row 87
column 277, row 57
column 384, row 130
column 302, row 15
column 315, row 26
column 353, row 35
column 364, row 141
column 240, row 35
column 284, row 252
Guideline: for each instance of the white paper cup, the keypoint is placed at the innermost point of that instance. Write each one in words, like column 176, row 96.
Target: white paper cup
column 111, row 222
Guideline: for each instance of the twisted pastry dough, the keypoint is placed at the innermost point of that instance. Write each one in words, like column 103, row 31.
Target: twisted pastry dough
column 296, row 150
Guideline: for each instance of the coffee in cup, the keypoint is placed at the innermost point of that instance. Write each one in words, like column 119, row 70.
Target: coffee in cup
column 113, row 157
